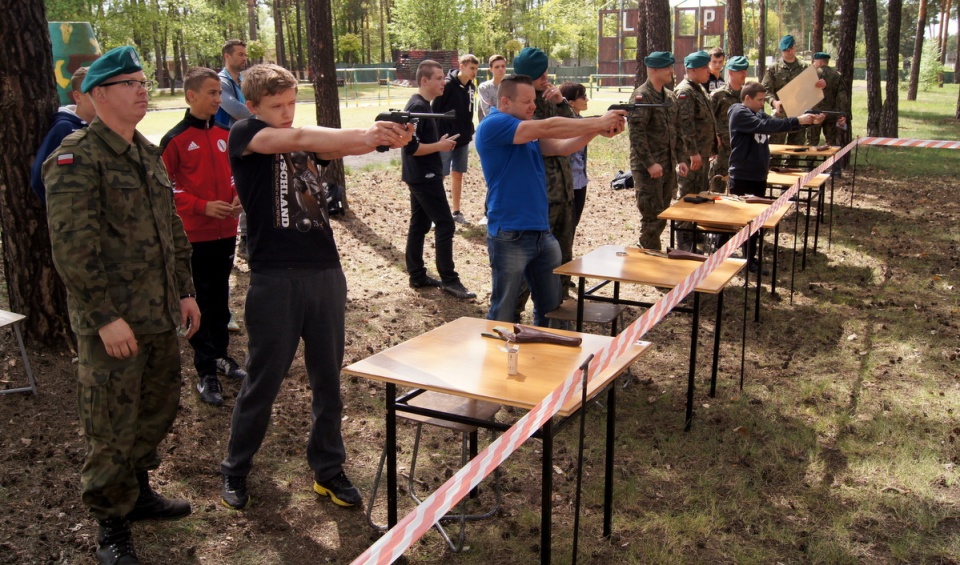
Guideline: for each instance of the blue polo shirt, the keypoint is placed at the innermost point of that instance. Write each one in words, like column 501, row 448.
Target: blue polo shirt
column 516, row 181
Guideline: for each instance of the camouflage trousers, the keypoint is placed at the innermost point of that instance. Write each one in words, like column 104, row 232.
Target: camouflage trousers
column 831, row 133
column 126, row 408
column 653, row 197
column 694, row 183
column 563, row 229
column 719, row 168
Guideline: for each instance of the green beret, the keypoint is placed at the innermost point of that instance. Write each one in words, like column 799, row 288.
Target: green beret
column 531, row 62
column 821, row 55
column 659, row 59
column 786, row 42
column 738, row 63
column 119, row 61
column 696, row 60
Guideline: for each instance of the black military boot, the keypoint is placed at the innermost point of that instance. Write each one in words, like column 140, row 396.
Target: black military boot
column 114, row 544
column 151, row 505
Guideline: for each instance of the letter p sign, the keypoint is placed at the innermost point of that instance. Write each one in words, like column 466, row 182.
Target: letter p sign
column 709, row 16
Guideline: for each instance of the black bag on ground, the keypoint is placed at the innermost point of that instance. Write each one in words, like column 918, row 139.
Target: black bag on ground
column 622, row 180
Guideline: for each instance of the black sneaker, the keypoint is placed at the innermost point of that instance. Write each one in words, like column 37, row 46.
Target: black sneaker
column 210, row 391
column 340, row 490
column 458, row 218
column 425, row 282
column 459, row 291
column 242, row 247
column 754, row 267
column 234, row 493
column 227, row 366
column 115, row 544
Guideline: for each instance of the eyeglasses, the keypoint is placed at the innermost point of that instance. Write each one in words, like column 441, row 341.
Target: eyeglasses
column 130, row 83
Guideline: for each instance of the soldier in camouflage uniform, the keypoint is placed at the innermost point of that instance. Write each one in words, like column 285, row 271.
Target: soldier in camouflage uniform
column 834, row 100
column 655, row 145
column 722, row 99
column 121, row 250
column 700, row 129
column 776, row 77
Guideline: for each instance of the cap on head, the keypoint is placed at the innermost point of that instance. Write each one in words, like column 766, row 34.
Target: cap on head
column 738, row 63
column 696, row 60
column 118, row 61
column 531, row 62
column 660, row 59
column 786, row 43
column 821, row 55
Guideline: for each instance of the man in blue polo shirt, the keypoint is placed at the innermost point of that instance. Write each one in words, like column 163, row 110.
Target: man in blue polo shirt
column 511, row 146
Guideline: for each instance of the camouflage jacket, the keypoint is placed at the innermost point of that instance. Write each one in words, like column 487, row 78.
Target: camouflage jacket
column 557, row 168
column 779, row 75
column 835, row 93
column 116, row 238
column 722, row 99
column 654, row 133
column 697, row 121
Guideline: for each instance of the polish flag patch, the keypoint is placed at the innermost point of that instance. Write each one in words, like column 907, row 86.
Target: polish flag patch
column 65, row 159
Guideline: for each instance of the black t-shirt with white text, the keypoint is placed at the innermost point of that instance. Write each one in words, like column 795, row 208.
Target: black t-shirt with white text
column 288, row 226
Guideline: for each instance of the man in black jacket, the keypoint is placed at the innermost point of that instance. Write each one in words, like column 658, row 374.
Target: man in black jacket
column 422, row 171
column 459, row 93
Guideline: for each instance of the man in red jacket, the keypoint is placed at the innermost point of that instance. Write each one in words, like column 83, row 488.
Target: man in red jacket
column 195, row 154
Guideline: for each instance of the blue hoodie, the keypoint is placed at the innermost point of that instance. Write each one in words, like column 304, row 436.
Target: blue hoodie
column 64, row 123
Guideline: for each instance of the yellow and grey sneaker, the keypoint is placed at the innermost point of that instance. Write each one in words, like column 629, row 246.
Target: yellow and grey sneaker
column 234, row 494
column 340, row 490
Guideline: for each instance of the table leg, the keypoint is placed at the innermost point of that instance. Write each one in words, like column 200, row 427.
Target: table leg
column 546, row 494
column 830, row 231
column 693, row 360
column 806, row 233
column 391, row 455
column 716, row 345
column 756, row 316
column 819, row 220
column 608, row 471
column 673, row 229
column 581, row 293
column 776, row 257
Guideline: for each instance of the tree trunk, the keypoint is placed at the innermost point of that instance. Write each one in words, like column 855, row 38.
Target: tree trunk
column 300, row 65
column 252, row 18
column 642, row 49
column 817, row 41
column 944, row 33
column 889, row 123
column 735, row 27
column 917, row 52
column 849, row 12
column 324, row 71
column 278, row 26
column 28, row 103
column 383, row 31
column 762, row 40
column 956, row 58
column 658, row 25
column 872, row 33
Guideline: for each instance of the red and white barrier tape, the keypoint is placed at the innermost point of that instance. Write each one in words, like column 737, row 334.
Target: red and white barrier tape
column 392, row 545
column 904, row 142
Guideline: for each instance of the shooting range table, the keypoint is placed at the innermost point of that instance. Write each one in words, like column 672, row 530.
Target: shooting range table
column 729, row 215
column 637, row 266
column 814, row 189
column 455, row 359
column 813, row 157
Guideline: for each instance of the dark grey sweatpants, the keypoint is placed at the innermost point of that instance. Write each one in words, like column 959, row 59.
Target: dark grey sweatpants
column 282, row 307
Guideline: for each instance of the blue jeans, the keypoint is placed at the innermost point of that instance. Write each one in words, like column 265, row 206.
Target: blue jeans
column 529, row 256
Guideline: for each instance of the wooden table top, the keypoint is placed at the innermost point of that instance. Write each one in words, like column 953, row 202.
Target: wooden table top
column 811, row 151
column 722, row 213
column 789, row 179
column 455, row 359
column 640, row 268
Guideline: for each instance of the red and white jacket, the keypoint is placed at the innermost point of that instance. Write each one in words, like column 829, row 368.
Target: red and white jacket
column 195, row 154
